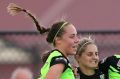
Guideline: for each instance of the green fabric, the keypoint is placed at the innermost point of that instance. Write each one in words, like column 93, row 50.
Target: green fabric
column 113, row 72
column 117, row 55
column 67, row 74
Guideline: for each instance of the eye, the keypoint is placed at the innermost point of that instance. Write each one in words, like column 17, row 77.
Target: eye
column 72, row 36
column 89, row 54
column 96, row 53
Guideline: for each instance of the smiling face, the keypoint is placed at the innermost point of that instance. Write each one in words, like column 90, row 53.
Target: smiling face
column 68, row 41
column 89, row 57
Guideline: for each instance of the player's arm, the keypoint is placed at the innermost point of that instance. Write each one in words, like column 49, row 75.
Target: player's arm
column 55, row 71
column 104, row 64
column 57, row 67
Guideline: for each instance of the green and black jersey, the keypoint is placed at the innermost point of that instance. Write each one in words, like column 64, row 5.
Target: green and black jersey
column 111, row 67
column 56, row 57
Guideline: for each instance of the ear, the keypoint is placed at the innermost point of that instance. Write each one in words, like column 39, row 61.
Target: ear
column 58, row 40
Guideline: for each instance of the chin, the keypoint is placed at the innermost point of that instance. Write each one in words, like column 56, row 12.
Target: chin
column 72, row 53
column 95, row 67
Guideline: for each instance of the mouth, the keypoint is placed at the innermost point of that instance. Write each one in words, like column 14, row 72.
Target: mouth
column 74, row 47
column 94, row 62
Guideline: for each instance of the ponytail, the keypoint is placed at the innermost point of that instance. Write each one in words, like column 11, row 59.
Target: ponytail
column 13, row 9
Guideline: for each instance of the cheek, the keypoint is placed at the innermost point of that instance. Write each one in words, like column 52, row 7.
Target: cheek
column 69, row 40
column 83, row 59
column 68, row 43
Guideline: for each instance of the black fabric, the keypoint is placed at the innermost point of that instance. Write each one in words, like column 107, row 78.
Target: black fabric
column 105, row 64
column 60, row 60
column 97, row 75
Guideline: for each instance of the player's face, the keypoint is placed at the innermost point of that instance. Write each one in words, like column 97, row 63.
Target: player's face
column 69, row 40
column 89, row 58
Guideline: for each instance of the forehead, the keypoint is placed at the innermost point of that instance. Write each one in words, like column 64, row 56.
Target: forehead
column 70, row 29
column 91, row 48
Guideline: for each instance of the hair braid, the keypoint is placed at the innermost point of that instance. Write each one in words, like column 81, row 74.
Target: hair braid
column 13, row 9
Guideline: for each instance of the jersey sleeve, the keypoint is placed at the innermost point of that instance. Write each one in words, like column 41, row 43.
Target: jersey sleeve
column 105, row 64
column 59, row 60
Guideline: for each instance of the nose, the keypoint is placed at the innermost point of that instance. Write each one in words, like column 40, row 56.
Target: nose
column 95, row 56
column 76, row 40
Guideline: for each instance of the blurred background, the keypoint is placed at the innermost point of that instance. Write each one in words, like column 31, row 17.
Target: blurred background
column 22, row 46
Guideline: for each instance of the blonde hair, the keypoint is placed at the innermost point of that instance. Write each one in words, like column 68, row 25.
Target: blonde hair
column 83, row 43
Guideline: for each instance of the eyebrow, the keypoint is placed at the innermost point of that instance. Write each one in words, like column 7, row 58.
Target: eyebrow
column 74, row 34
